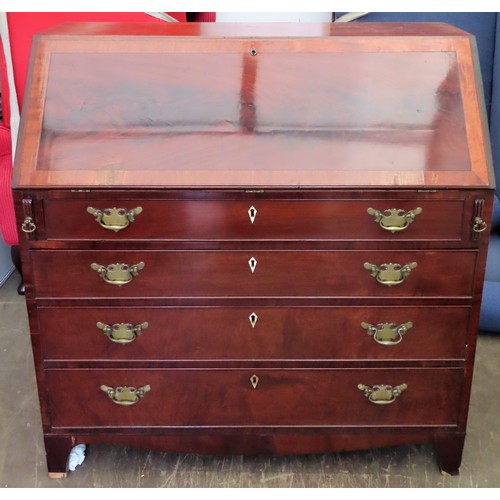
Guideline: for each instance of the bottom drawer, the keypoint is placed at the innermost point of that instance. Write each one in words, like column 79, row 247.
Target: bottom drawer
column 253, row 397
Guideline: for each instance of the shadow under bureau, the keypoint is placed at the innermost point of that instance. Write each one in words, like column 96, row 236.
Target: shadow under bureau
column 253, row 238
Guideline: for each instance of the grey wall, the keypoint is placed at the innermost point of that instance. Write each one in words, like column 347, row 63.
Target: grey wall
column 6, row 266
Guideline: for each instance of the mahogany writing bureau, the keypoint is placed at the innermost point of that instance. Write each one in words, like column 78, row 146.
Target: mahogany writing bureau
column 254, row 238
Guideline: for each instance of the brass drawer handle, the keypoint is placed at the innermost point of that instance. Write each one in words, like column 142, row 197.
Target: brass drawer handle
column 394, row 219
column 114, row 219
column 390, row 274
column 28, row 225
column 118, row 274
column 382, row 394
column 122, row 333
column 387, row 333
column 125, row 396
column 479, row 225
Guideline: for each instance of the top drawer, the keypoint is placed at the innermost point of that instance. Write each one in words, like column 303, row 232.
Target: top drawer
column 367, row 219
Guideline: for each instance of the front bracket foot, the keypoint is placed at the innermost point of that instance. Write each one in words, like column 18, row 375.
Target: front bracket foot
column 449, row 448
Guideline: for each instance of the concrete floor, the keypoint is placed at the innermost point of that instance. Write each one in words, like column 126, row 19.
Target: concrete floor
column 22, row 456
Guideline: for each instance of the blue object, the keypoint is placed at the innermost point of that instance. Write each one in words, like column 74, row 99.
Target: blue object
column 490, row 307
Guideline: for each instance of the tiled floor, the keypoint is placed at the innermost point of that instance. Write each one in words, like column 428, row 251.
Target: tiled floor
column 22, row 458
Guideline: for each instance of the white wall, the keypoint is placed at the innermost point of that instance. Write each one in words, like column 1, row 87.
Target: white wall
column 269, row 17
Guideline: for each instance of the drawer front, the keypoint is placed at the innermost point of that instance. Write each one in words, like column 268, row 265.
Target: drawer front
column 240, row 333
column 246, row 397
column 251, row 220
column 250, row 273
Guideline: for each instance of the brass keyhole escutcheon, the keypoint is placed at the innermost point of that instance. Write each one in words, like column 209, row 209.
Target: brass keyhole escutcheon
column 252, row 263
column 252, row 213
column 253, row 319
column 254, row 380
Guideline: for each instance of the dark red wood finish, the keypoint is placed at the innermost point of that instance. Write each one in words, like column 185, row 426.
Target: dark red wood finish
column 222, row 397
column 336, row 220
column 228, row 274
column 218, row 113
column 196, row 124
column 155, row 130
column 280, row 333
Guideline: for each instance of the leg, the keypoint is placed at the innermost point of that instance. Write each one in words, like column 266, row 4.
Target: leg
column 449, row 448
column 16, row 259
column 57, row 449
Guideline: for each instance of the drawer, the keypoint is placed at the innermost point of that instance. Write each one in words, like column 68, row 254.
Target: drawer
column 227, row 397
column 251, row 220
column 250, row 273
column 240, row 333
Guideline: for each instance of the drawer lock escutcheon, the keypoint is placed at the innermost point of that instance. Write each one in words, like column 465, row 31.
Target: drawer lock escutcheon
column 253, row 319
column 252, row 263
column 125, row 396
column 117, row 274
column 390, row 274
column 387, row 333
column 252, row 213
column 254, row 380
column 122, row 333
column 114, row 219
column 394, row 219
column 382, row 394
